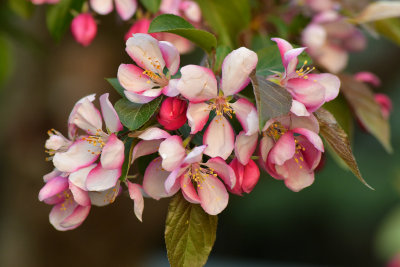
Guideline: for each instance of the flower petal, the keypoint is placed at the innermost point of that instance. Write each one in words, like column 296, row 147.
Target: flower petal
column 154, row 180
column 245, row 145
column 197, row 83
column 219, row 138
column 144, row 50
column 213, row 195
column 297, row 178
column 102, row 7
column 154, row 133
column 283, row 150
column 367, row 77
column 126, row 8
column 112, row 156
column 223, row 170
column 247, row 115
column 170, row 6
column 76, row 218
column 132, row 78
column 80, row 196
column 103, row 198
column 188, row 190
column 251, row 176
column 172, row 152
column 266, row 144
column 88, row 117
column 144, row 148
column 197, row 115
column 312, row 137
column 170, row 55
column 78, row 177
column 110, row 116
column 195, row 155
column 59, row 213
column 307, row 122
column 171, row 89
column 171, row 181
column 191, row 10
column 79, row 155
column 53, row 187
column 299, row 109
column 308, row 92
column 333, row 58
column 54, row 173
column 135, row 194
column 236, row 69
column 71, row 126
column 100, row 179
column 143, row 98
column 330, row 82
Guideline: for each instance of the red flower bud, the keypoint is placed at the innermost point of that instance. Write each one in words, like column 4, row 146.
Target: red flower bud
column 172, row 113
column 246, row 176
column 84, row 28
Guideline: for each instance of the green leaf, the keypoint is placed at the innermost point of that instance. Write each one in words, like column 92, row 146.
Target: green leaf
column 189, row 233
column 177, row 25
column 23, row 8
column 338, row 140
column 59, row 17
column 390, row 28
column 129, row 145
column 227, row 18
column 221, row 53
column 342, row 113
column 272, row 100
column 151, row 5
column 116, row 85
column 361, row 99
column 387, row 240
column 133, row 115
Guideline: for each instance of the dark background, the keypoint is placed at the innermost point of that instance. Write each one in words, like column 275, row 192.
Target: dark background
column 337, row 221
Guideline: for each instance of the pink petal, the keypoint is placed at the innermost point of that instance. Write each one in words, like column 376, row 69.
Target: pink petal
column 219, row 138
column 247, row 115
column 334, row 59
column 290, row 59
column 143, row 98
column 135, row 194
column 191, row 10
column 59, row 213
column 170, row 55
column 170, row 6
column 154, row 180
column 385, row 103
column 71, row 126
column 172, row 152
column 330, row 82
column 144, row 50
column 110, row 116
column 236, row 69
column 132, row 78
column 195, row 155
column 314, row 36
column 311, row 155
column 224, row 171
column 88, row 117
column 213, row 195
column 171, row 89
column 197, row 115
column 112, row 156
column 171, row 181
column 312, row 137
column 245, row 145
column 367, row 77
column 307, row 122
column 308, row 92
column 84, row 28
column 144, row 148
column 188, row 190
column 126, row 8
column 283, row 46
column 79, row 155
column 283, row 150
column 78, row 177
column 266, row 144
column 77, row 217
column 102, row 7
column 154, row 133
column 299, row 109
column 297, row 178
column 54, row 173
column 197, row 83
column 53, row 187
column 251, row 176
column 80, row 196
column 238, row 168
column 100, row 179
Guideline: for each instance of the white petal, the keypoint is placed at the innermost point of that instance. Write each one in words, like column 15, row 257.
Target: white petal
column 172, row 152
column 197, row 115
column 245, row 145
column 219, row 138
column 78, row 177
column 88, row 117
column 135, row 194
column 110, row 116
column 126, row 8
column 102, row 7
column 170, row 55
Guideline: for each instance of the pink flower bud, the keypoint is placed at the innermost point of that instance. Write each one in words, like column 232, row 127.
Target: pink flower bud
column 385, row 103
column 246, row 176
column 84, row 28
column 140, row 26
column 172, row 113
column 368, row 77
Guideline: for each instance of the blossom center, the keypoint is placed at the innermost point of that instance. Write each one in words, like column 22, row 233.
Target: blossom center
column 303, row 72
column 158, row 76
column 97, row 140
column 67, row 199
column 199, row 174
column 275, row 131
column 221, row 106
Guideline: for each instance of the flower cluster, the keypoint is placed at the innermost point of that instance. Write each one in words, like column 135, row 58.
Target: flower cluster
column 88, row 164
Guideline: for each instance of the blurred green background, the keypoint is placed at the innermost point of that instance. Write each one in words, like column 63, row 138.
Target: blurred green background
column 337, row 221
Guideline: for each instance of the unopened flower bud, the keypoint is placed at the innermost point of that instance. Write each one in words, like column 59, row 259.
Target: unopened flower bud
column 246, row 176
column 172, row 113
column 84, row 28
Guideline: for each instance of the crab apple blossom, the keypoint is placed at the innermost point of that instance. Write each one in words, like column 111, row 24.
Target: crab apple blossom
column 86, row 149
column 329, row 38
column 291, row 150
column 84, row 28
column 309, row 91
column 172, row 114
column 246, row 176
column 125, row 8
column 146, row 81
column 188, row 9
column 200, row 87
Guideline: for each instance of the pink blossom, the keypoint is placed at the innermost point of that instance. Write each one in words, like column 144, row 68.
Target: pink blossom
column 368, row 77
column 40, row 2
column 199, row 86
column 172, row 114
column 329, row 38
column 309, row 91
column 146, row 81
column 179, row 169
column 385, row 103
column 140, row 26
column 246, row 176
column 291, row 150
column 187, row 9
column 125, row 8
column 84, row 28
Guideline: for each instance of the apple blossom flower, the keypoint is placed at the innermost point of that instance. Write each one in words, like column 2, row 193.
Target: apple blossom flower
column 246, row 176
column 309, row 91
column 40, row 2
column 172, row 114
column 84, row 28
column 291, row 150
column 187, row 9
column 125, row 8
column 329, row 38
column 86, row 149
column 178, row 168
column 199, row 86
column 147, row 80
